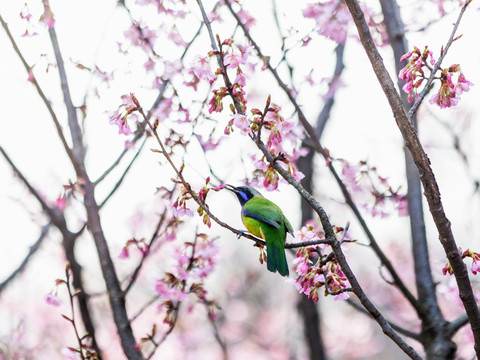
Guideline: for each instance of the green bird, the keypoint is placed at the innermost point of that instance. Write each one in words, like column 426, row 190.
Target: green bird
column 265, row 220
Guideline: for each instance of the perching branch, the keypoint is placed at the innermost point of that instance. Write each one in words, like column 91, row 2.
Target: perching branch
column 431, row 190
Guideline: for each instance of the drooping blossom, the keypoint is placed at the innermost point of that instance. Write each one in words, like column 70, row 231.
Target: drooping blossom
column 130, row 105
column 178, row 210
column 413, row 74
column 475, row 268
column 168, row 292
column 463, row 85
column 121, row 121
column 232, row 59
column 313, row 274
column 332, row 18
column 69, row 354
column 53, row 299
column 242, row 123
column 246, row 18
column 201, row 68
column 140, row 35
column 475, row 260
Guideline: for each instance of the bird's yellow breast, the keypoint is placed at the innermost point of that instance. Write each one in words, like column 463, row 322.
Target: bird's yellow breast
column 253, row 227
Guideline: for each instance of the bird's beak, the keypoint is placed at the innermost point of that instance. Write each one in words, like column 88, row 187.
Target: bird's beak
column 231, row 188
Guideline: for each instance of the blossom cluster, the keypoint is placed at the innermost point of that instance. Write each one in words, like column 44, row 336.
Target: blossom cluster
column 467, row 253
column 372, row 191
column 449, row 93
column 280, row 135
column 193, row 263
column 332, row 18
column 234, row 58
column 313, row 276
column 414, row 74
column 315, row 269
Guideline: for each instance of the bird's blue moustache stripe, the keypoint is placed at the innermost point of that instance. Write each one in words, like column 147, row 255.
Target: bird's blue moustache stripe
column 244, row 196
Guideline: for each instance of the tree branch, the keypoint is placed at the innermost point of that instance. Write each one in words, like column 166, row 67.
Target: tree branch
column 42, row 95
column 33, row 249
column 68, row 241
column 432, row 319
column 116, row 296
column 431, row 190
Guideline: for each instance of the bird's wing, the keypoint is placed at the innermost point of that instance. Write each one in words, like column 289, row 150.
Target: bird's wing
column 288, row 226
column 263, row 210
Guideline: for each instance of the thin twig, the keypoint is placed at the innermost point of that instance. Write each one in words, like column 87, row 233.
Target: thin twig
column 397, row 328
column 42, row 95
column 444, row 52
column 33, row 249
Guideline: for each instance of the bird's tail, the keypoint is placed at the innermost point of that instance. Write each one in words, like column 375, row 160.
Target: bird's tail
column 276, row 260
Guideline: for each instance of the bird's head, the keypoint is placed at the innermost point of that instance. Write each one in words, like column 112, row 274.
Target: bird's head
column 244, row 193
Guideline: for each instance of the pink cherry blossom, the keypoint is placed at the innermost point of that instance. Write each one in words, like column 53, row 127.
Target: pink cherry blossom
column 209, row 143
column 53, row 299
column 124, row 254
column 60, row 202
column 149, row 64
column 31, row 77
column 242, row 123
column 301, row 265
column 201, row 68
column 402, row 207
column 246, row 18
column 240, row 79
column 475, row 267
column 332, row 18
column 168, row 292
column 121, row 121
column 232, row 59
column 69, row 354
column 140, row 35
column 306, row 233
column 178, row 210
column 463, row 85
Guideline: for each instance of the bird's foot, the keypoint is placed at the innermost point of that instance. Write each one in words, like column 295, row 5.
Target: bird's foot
column 241, row 233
